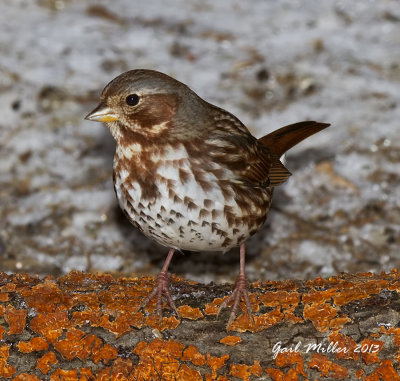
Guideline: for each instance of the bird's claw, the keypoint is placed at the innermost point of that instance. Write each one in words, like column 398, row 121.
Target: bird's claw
column 161, row 287
column 238, row 292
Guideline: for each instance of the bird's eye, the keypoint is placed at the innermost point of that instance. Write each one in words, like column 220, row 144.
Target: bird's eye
column 132, row 99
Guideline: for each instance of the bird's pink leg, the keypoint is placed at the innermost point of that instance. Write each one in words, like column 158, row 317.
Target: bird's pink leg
column 239, row 291
column 161, row 287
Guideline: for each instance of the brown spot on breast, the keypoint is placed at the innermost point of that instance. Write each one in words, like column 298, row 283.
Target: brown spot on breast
column 200, row 177
column 177, row 199
column 227, row 242
column 241, row 239
column 184, row 176
column 208, row 203
column 226, row 190
column 252, row 232
column 215, row 213
column 179, row 163
column 187, row 200
column 203, row 213
column 192, row 206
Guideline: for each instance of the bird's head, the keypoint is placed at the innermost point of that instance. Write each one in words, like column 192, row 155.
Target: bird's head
column 146, row 103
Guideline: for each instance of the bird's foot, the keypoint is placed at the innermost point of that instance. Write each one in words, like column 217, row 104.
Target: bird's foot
column 161, row 288
column 239, row 292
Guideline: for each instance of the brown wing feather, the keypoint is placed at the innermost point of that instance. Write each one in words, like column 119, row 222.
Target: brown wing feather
column 286, row 137
column 250, row 161
column 256, row 162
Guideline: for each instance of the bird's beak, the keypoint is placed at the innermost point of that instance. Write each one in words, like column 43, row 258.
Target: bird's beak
column 102, row 113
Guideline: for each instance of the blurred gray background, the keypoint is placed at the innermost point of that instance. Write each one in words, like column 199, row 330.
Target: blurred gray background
column 271, row 63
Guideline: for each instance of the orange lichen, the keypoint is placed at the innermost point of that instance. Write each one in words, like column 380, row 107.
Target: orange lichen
column 317, row 282
column 216, row 363
column 188, row 312
column 279, row 298
column 86, row 374
column 395, row 332
column 255, row 305
column 106, row 353
column 90, row 301
column 6, row 370
column 245, row 372
column 275, row 374
column 185, row 373
column 26, row 377
column 289, row 359
column 384, row 372
column 65, row 375
column 319, row 297
column 369, row 350
column 192, row 354
column 262, row 322
column 46, row 297
column 80, row 303
column 354, row 292
column 122, row 323
column 50, row 325
column 327, row 367
column 278, row 375
column 120, row 369
column 359, row 373
column 77, row 344
column 15, row 319
column 243, row 324
column 45, row 362
column 320, row 315
column 4, row 297
column 285, row 301
column 213, row 307
column 337, row 324
column 343, row 346
column 33, row 345
column 157, row 359
column 287, row 285
column 153, row 321
column 231, row 341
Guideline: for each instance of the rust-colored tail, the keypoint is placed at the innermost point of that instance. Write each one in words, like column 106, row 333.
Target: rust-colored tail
column 286, row 137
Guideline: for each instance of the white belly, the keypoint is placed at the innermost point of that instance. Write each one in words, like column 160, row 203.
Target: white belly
column 184, row 215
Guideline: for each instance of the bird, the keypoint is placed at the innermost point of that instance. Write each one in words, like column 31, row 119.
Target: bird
column 190, row 175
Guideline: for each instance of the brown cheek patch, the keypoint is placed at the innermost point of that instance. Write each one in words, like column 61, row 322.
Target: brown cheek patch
column 158, row 108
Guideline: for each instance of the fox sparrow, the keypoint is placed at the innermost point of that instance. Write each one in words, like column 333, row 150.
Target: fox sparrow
column 188, row 174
